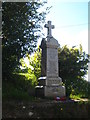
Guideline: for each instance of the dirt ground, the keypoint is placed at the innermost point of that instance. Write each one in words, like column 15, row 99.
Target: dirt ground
column 42, row 108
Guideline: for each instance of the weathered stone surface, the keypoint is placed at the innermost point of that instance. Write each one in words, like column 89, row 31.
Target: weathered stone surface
column 52, row 57
column 49, row 27
column 53, row 81
column 54, row 91
column 50, row 80
column 43, row 57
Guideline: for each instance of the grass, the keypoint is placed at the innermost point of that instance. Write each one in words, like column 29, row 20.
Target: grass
column 75, row 97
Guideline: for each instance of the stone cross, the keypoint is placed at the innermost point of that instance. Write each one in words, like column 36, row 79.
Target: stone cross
column 49, row 27
column 49, row 84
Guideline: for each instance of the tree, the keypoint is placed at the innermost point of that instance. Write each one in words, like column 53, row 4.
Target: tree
column 73, row 66
column 34, row 66
column 21, row 26
column 31, row 71
column 35, row 62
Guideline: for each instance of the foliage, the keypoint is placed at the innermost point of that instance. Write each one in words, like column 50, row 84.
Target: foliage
column 34, row 67
column 32, row 71
column 73, row 66
column 35, row 62
column 30, row 77
column 21, row 28
column 20, row 88
column 75, row 97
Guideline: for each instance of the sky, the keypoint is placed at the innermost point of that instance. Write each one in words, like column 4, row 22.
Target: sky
column 71, row 23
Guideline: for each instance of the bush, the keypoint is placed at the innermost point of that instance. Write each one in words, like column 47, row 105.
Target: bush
column 79, row 88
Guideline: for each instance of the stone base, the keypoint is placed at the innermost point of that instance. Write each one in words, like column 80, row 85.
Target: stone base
column 50, row 87
column 54, row 91
column 50, row 91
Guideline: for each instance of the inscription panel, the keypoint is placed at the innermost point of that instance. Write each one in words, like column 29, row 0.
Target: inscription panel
column 52, row 68
column 54, row 82
column 52, row 54
column 52, row 62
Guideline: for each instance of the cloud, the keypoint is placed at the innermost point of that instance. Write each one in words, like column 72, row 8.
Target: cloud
column 82, row 37
column 63, row 37
column 66, row 38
